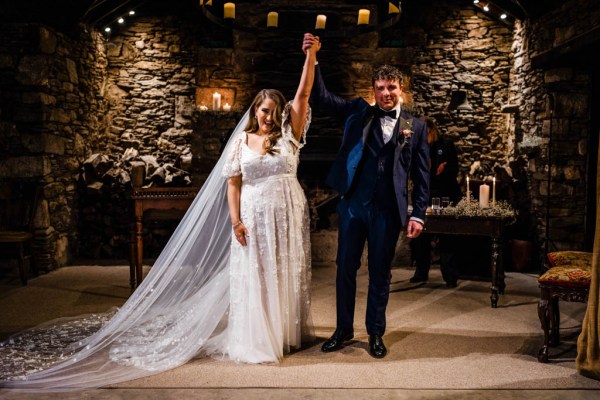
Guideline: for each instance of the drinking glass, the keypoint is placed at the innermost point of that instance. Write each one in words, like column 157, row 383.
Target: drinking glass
column 435, row 204
column 445, row 202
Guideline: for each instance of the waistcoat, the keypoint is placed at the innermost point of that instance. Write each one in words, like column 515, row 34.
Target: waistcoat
column 373, row 182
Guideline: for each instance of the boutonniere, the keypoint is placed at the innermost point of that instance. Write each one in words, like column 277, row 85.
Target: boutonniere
column 406, row 126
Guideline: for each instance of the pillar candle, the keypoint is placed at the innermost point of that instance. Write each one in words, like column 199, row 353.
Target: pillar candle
column 494, row 192
column 484, row 196
column 226, row 107
column 272, row 19
column 468, row 191
column 363, row 16
column 229, row 11
column 321, row 19
column 392, row 9
column 216, row 101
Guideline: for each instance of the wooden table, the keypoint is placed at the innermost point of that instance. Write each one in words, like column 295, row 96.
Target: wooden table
column 478, row 226
column 177, row 198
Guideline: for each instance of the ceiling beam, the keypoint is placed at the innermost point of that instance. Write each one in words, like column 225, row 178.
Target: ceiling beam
column 570, row 52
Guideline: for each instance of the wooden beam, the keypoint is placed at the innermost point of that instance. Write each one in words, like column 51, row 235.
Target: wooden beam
column 564, row 54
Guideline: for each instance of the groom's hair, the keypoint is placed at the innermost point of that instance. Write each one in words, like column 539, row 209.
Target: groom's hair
column 387, row 73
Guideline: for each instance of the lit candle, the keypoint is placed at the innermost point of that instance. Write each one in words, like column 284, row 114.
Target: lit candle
column 216, row 101
column 468, row 190
column 484, row 196
column 272, row 19
column 226, row 107
column 229, row 10
column 392, row 9
column 494, row 192
column 363, row 16
column 321, row 19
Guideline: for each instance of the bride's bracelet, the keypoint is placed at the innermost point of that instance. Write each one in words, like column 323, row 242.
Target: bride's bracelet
column 236, row 224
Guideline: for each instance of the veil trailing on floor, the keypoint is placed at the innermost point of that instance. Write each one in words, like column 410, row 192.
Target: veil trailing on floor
column 167, row 321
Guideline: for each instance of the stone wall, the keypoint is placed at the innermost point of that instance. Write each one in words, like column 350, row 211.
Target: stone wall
column 136, row 97
column 149, row 88
column 555, row 101
column 51, row 119
column 442, row 49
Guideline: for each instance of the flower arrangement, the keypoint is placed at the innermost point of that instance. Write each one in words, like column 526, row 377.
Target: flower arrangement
column 471, row 208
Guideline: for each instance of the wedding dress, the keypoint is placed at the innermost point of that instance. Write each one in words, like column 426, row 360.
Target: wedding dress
column 206, row 295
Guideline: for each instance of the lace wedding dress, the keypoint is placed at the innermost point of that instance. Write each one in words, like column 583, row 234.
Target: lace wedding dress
column 206, row 295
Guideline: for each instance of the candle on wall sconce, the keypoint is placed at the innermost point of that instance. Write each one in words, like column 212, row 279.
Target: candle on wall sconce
column 272, row 19
column 494, row 192
column 216, row 101
column 226, row 107
column 484, row 195
column 363, row 16
column 321, row 20
column 229, row 11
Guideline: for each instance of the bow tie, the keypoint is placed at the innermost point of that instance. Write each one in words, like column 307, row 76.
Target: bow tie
column 379, row 113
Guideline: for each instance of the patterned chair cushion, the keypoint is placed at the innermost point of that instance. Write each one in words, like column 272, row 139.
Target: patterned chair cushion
column 567, row 275
column 573, row 258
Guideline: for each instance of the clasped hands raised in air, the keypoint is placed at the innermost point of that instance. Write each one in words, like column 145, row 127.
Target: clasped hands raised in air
column 311, row 42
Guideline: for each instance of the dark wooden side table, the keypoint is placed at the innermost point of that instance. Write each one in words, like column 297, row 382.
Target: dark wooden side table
column 176, row 198
column 479, row 226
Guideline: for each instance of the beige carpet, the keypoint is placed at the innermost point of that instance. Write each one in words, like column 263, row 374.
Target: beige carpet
column 437, row 338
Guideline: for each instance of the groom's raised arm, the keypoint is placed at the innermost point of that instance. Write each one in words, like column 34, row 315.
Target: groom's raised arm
column 327, row 102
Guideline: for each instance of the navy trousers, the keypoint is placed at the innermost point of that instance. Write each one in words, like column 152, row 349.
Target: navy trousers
column 380, row 229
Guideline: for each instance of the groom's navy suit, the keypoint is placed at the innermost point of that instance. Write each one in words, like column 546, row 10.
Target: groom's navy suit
column 371, row 177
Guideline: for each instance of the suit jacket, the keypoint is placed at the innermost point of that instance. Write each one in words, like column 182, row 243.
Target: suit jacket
column 411, row 155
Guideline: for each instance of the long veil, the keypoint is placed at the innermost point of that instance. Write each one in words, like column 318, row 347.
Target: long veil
column 167, row 321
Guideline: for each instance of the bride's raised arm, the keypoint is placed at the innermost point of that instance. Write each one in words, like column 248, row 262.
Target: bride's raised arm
column 310, row 46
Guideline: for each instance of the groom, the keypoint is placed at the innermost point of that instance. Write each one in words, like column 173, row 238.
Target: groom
column 382, row 145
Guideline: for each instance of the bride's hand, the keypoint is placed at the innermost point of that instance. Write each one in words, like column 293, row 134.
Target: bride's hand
column 241, row 233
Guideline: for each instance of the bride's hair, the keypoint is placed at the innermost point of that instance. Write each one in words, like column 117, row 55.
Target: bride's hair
column 252, row 125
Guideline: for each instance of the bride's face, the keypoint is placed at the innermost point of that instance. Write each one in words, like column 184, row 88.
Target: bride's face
column 264, row 116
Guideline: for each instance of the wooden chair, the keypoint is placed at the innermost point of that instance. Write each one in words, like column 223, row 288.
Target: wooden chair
column 18, row 204
column 567, row 279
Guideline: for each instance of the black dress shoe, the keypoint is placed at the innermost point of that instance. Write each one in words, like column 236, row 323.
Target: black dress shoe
column 376, row 347
column 336, row 341
column 417, row 279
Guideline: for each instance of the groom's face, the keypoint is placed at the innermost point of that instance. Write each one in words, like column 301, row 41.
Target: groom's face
column 387, row 93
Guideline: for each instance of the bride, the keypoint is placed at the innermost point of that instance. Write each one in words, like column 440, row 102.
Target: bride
column 232, row 282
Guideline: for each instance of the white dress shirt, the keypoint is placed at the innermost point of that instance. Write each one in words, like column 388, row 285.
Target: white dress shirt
column 388, row 124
